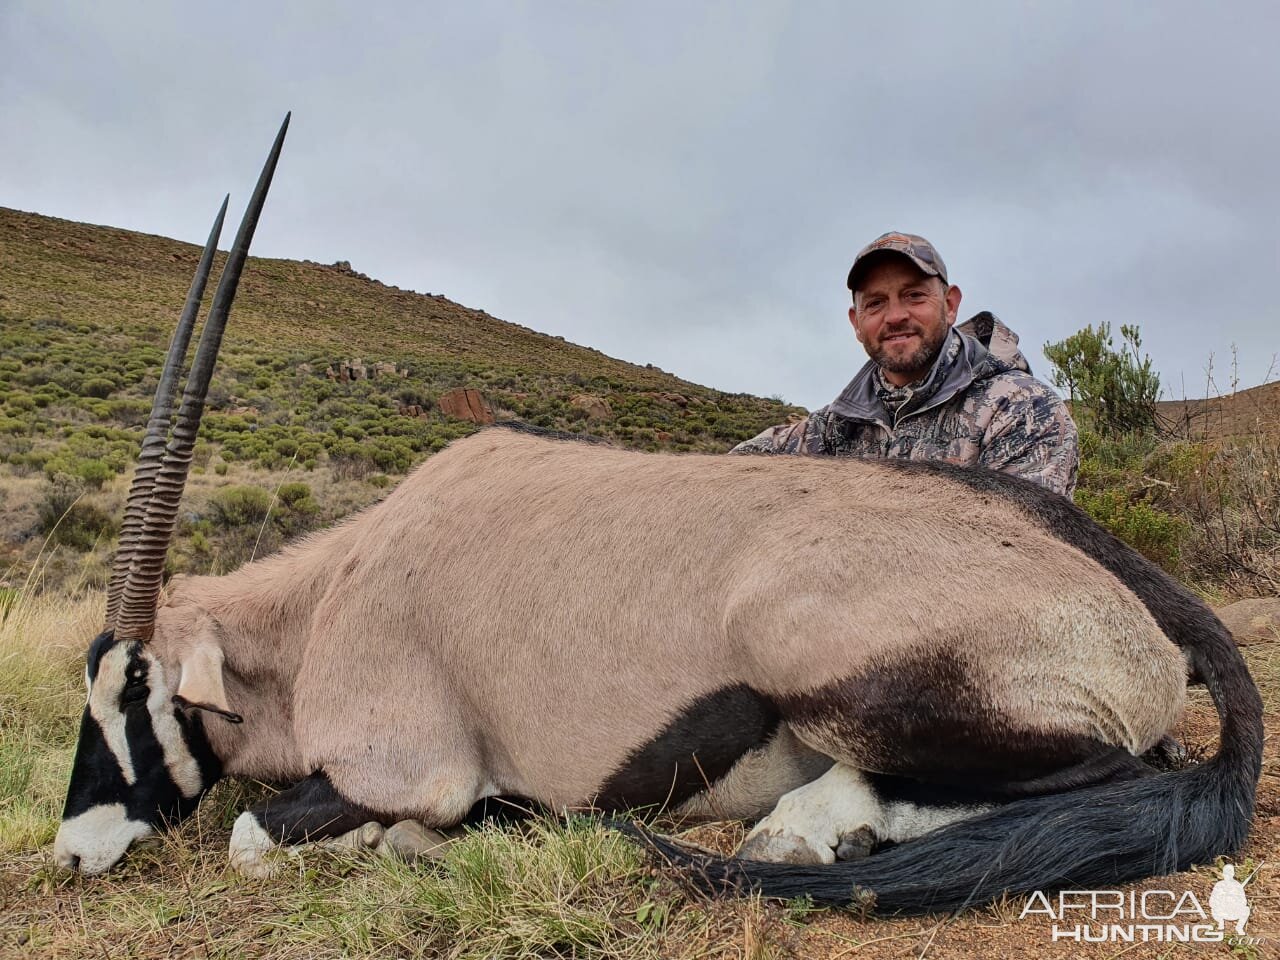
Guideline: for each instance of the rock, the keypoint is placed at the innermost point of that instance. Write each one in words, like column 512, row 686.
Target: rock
column 410, row 840
column 597, row 407
column 1252, row 621
column 303, row 369
column 383, row 369
column 466, row 403
column 344, row 267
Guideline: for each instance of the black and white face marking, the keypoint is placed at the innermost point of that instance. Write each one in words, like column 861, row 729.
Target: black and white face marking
column 139, row 762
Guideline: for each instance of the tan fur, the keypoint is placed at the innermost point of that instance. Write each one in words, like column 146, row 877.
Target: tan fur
column 520, row 614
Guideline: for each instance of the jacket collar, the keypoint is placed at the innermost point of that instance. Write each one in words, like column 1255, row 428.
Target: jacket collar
column 952, row 372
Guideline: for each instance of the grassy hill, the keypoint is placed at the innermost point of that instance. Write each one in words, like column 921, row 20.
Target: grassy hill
column 86, row 313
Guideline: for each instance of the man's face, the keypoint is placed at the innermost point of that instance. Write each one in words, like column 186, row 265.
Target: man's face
column 901, row 317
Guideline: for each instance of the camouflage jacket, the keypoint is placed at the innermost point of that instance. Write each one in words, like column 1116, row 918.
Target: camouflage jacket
column 978, row 406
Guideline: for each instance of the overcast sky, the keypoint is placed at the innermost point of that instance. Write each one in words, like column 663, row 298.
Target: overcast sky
column 685, row 184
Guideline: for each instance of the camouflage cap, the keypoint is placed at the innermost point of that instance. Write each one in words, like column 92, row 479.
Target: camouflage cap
column 919, row 250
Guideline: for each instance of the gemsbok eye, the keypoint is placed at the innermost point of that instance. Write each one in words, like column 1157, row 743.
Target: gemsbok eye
column 133, row 693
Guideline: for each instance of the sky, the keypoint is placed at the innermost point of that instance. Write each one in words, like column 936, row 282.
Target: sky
column 686, row 184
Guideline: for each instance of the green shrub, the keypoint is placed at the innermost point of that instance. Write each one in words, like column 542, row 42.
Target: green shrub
column 98, row 387
column 1112, row 391
column 1154, row 533
column 291, row 493
column 19, row 402
column 239, row 506
column 94, row 473
column 286, row 447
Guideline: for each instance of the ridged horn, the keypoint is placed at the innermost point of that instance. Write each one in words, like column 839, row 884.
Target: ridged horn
column 157, row 433
column 136, row 619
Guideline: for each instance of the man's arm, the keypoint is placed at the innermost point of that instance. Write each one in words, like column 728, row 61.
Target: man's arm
column 1032, row 435
column 798, row 437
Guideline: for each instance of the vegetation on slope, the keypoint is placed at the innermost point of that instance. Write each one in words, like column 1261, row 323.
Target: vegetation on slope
column 85, row 317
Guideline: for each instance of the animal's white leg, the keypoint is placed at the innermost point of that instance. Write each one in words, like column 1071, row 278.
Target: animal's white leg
column 249, row 847
column 840, row 815
column 808, row 823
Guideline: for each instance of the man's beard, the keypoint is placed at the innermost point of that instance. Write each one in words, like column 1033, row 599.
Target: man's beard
column 919, row 360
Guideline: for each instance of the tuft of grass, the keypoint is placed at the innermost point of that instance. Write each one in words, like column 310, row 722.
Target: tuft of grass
column 42, row 643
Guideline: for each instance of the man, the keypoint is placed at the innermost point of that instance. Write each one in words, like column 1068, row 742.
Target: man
column 931, row 391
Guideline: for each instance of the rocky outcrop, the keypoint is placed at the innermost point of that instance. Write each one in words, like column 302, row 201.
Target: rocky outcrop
column 344, row 371
column 1252, row 621
column 344, row 267
column 597, row 408
column 466, row 403
column 675, row 399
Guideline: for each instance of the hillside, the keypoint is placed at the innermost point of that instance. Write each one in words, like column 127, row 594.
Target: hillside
column 326, row 376
column 1244, row 413
column 120, row 288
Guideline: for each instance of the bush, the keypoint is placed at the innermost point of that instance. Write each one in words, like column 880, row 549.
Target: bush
column 1154, row 533
column 1112, row 391
column 239, row 506
column 18, row 402
column 1230, row 495
column 94, row 473
column 98, row 387
column 68, row 519
column 286, row 447
column 291, row 493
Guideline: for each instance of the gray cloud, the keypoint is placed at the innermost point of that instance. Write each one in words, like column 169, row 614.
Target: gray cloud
column 685, row 184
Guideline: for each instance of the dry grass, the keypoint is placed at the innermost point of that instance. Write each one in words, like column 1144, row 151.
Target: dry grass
column 41, row 695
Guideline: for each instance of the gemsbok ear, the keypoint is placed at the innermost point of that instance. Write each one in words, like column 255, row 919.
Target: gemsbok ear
column 200, row 686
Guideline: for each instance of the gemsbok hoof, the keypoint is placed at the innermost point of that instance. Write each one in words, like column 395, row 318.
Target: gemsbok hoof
column 781, row 848
column 366, row 837
column 856, row 845
column 410, row 841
